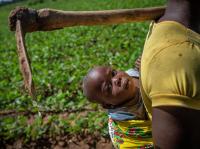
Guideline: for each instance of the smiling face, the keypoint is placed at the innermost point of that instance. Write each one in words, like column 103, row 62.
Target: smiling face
column 108, row 86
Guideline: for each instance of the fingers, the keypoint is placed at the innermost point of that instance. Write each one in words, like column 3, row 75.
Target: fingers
column 138, row 63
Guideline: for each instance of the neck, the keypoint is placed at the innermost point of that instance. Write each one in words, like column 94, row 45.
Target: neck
column 186, row 12
column 134, row 106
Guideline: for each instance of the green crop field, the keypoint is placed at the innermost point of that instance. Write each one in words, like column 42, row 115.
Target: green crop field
column 60, row 59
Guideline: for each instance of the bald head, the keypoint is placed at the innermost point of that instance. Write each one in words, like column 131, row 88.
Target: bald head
column 105, row 85
column 92, row 83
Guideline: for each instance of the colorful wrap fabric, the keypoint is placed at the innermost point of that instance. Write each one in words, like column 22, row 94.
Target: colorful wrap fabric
column 131, row 134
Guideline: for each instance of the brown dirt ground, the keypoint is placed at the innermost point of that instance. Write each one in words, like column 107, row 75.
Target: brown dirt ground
column 85, row 141
column 60, row 142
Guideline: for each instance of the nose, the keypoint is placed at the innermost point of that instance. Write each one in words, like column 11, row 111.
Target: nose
column 116, row 81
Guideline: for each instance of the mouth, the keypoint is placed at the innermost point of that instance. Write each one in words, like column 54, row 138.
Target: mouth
column 125, row 84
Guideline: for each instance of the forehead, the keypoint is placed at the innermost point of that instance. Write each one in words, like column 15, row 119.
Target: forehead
column 95, row 79
column 99, row 74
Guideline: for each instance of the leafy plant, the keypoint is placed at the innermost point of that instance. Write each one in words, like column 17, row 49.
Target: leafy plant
column 60, row 59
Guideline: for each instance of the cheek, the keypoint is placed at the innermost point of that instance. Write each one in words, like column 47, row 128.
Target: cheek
column 117, row 91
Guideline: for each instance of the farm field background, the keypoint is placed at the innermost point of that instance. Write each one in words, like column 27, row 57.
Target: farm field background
column 60, row 59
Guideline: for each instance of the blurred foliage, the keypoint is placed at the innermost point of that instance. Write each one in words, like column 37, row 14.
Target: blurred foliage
column 60, row 59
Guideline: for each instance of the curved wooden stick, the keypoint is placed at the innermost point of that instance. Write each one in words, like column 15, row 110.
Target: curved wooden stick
column 24, row 60
column 51, row 19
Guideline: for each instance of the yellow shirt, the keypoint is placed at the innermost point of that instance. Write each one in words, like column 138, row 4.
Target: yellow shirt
column 170, row 67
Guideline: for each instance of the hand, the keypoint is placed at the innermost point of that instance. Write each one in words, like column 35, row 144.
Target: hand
column 138, row 63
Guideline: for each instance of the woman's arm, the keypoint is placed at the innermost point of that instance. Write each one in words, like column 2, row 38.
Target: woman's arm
column 186, row 12
column 168, row 131
column 175, row 127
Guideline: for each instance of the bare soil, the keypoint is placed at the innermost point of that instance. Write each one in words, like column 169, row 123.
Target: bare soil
column 60, row 142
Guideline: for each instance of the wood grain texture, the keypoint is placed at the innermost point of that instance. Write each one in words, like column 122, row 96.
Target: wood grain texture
column 51, row 19
column 24, row 59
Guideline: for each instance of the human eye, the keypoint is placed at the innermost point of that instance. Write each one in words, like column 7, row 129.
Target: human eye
column 114, row 72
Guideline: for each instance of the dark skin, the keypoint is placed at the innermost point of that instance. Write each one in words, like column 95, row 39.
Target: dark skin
column 178, row 127
column 110, row 87
column 186, row 12
column 105, row 86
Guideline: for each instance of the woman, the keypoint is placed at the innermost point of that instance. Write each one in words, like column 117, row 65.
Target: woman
column 170, row 76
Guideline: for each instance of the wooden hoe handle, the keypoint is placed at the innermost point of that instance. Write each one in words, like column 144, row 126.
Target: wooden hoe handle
column 51, row 19
column 24, row 61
